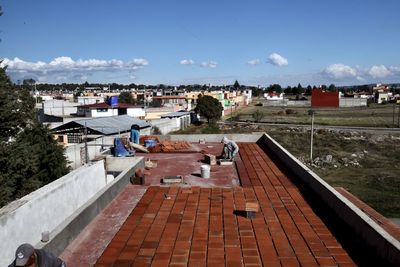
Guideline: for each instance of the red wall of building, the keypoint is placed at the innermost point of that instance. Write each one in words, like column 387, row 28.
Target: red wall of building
column 320, row 98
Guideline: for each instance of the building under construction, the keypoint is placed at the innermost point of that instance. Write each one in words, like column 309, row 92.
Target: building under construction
column 266, row 209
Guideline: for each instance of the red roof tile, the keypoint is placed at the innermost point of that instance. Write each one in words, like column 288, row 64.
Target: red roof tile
column 208, row 226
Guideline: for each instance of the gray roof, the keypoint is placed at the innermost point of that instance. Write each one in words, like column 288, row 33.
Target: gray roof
column 175, row 114
column 104, row 125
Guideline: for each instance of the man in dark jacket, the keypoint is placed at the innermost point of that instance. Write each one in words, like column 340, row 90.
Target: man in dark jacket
column 26, row 255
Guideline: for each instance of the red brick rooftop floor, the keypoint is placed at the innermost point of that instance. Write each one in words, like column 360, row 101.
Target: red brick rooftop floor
column 197, row 226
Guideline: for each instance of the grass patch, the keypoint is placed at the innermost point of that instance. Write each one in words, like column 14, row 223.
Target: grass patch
column 376, row 182
column 373, row 116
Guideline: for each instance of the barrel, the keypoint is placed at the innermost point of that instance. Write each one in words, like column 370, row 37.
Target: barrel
column 205, row 171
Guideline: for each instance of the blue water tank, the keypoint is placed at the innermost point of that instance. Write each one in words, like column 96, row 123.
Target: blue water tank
column 113, row 101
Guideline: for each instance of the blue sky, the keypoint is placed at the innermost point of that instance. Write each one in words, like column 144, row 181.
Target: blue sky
column 177, row 42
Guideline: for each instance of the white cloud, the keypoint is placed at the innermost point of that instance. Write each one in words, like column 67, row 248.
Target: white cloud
column 394, row 69
column 136, row 63
column 65, row 68
column 253, row 62
column 186, row 62
column 379, row 71
column 339, row 71
column 210, row 64
column 277, row 60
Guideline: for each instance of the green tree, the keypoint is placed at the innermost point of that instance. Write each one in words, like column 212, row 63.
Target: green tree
column 29, row 155
column 16, row 108
column 332, row 87
column 308, row 90
column 210, row 108
column 300, row 89
column 28, row 82
column 288, row 90
column 156, row 103
column 126, row 97
column 257, row 92
column 236, row 85
column 275, row 88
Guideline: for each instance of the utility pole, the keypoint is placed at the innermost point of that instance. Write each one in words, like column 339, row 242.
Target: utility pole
column 86, row 145
column 231, row 111
column 311, row 112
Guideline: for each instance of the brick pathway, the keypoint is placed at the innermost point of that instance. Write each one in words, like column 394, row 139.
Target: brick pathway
column 178, row 226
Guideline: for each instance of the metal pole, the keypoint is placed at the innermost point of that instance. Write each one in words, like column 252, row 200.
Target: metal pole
column 394, row 109
column 312, row 135
column 231, row 112
column 86, row 146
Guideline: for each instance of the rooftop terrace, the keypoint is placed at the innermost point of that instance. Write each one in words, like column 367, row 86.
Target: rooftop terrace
column 95, row 216
column 203, row 222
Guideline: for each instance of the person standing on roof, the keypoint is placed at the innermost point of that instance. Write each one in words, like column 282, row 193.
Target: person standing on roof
column 230, row 150
column 26, row 255
column 135, row 134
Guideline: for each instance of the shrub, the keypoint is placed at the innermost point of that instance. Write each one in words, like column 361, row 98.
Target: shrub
column 211, row 129
column 290, row 111
column 258, row 115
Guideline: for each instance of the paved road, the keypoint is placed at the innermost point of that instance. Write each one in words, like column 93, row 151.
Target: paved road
column 327, row 127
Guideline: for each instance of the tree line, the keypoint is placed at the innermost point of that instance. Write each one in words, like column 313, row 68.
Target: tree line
column 29, row 155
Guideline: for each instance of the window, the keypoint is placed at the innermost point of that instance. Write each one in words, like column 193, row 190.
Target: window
column 102, row 109
column 74, row 138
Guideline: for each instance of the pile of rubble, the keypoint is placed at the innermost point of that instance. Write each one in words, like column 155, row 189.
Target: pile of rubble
column 169, row 146
column 329, row 161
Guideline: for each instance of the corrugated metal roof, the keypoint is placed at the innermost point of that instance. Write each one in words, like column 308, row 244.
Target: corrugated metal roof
column 104, row 125
column 175, row 114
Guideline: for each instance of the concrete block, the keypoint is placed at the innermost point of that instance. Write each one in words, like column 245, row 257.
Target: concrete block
column 210, row 159
column 225, row 162
column 172, row 179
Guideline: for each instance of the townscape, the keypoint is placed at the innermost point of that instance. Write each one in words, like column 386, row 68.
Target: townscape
column 234, row 160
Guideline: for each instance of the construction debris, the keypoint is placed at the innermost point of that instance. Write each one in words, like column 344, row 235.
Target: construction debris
column 139, row 147
column 210, row 159
column 150, row 163
column 224, row 162
column 172, row 179
column 138, row 178
column 170, row 146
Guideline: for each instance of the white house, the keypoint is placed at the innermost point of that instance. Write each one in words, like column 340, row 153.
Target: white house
column 87, row 100
column 381, row 97
column 273, row 96
column 105, row 110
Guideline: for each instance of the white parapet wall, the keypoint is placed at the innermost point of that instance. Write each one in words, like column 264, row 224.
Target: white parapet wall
column 214, row 138
column 25, row 219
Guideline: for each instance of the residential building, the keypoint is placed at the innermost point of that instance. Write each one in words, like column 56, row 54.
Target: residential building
column 106, row 110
